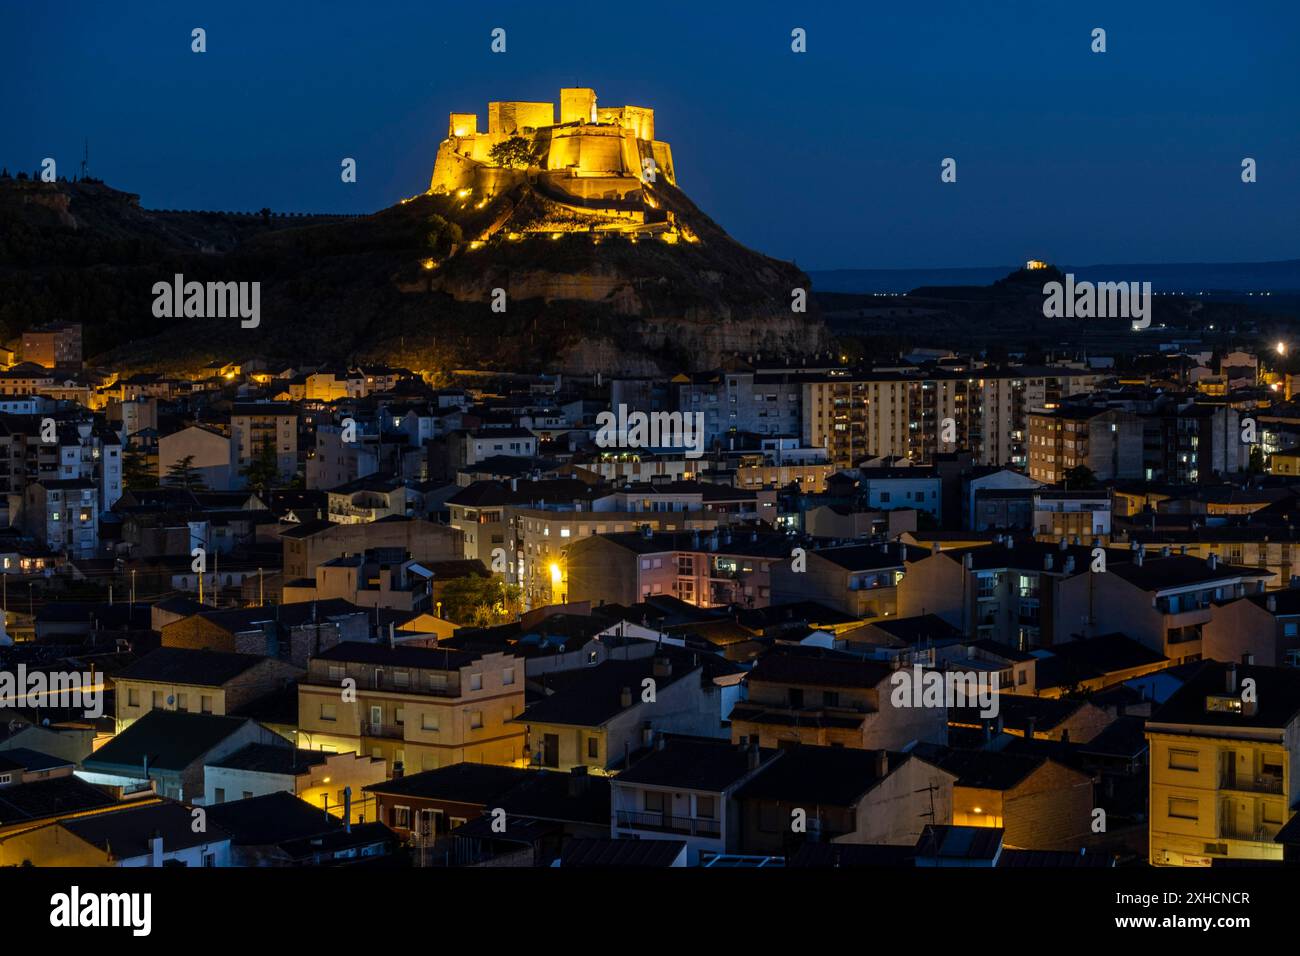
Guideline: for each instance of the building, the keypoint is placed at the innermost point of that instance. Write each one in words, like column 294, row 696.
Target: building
column 705, row 569
column 333, row 782
column 1257, row 628
column 841, row 795
column 685, row 789
column 63, row 514
column 1223, row 765
column 813, row 696
column 256, row 426
column 195, row 681
column 57, row 345
column 597, row 716
column 414, row 707
column 858, row 580
column 213, row 456
column 146, row 835
column 171, row 748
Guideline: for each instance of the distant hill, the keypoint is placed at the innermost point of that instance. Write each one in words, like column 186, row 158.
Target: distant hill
column 356, row 288
column 1189, row 278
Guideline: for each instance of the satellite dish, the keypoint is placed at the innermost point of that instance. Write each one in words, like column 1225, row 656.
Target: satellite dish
column 171, row 699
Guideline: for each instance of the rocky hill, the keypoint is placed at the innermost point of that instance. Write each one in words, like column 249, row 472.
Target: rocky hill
column 412, row 284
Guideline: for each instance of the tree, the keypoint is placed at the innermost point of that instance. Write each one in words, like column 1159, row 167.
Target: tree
column 1080, row 477
column 442, row 235
column 513, row 153
column 136, row 472
column 1256, row 466
column 182, row 474
column 478, row 601
column 263, row 472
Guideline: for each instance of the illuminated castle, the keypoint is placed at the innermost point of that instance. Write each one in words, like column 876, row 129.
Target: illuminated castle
column 595, row 159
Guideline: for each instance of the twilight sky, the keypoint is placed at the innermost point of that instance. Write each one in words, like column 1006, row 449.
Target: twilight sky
column 830, row 158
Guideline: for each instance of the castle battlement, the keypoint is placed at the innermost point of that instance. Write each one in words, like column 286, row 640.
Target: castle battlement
column 592, row 153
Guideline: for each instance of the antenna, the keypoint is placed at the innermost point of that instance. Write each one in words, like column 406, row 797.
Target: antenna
column 85, row 158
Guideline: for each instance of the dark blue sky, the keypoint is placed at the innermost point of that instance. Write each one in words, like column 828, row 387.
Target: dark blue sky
column 830, row 158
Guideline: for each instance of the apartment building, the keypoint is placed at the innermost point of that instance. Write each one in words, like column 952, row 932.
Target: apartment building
column 1223, row 765
column 417, row 708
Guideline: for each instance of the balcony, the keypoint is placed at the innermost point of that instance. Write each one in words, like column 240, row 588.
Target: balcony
column 664, row 823
column 1264, row 783
column 388, row 731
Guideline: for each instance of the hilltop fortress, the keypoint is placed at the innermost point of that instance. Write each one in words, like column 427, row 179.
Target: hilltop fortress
column 600, row 163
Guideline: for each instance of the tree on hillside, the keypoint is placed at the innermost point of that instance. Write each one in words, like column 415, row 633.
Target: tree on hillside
column 442, row 235
column 182, row 474
column 513, row 153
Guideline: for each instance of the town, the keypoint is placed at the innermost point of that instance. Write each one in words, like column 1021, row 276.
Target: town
column 310, row 614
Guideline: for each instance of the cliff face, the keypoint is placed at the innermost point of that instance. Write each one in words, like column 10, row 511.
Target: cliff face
column 356, row 289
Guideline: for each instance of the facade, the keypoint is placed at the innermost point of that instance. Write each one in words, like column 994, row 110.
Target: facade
column 1223, row 765
column 415, row 707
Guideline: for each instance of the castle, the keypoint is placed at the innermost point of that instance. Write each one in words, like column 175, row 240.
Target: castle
column 595, row 160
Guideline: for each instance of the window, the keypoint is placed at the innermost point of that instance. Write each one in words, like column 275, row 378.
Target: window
column 706, row 807
column 182, row 701
column 157, row 699
column 508, row 676
column 205, row 704
column 475, row 681
column 475, row 719
column 654, row 801
column 402, row 817
column 1182, row 760
column 593, row 747
column 1182, row 808
column 329, row 712
column 221, row 794
column 429, row 722
column 133, row 697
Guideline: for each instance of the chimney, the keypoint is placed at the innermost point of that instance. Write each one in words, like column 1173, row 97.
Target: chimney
column 1164, row 552
column 934, row 548
column 1213, row 561
column 1230, row 678
column 347, row 809
column 625, row 698
column 1063, row 544
column 753, row 754
column 1248, row 659
column 1030, row 724
column 713, row 541
column 663, row 667
column 660, row 742
column 1270, row 604
column 578, row 781
column 882, row 764
column 695, row 539
column 398, row 770
column 1069, row 564
column 1137, row 557
column 647, row 735
column 156, row 849
column 1047, row 562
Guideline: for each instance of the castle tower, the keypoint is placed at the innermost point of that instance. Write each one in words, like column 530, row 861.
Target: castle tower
column 577, row 105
